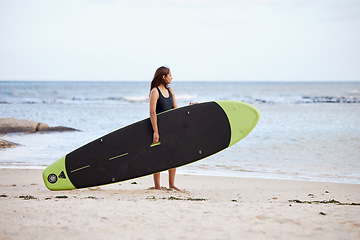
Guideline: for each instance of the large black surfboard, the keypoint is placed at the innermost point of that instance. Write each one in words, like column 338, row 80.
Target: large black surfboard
column 187, row 134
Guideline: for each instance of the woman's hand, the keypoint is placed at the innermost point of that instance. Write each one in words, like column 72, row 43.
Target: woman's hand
column 156, row 137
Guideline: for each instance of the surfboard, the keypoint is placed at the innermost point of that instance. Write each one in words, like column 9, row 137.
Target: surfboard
column 187, row 134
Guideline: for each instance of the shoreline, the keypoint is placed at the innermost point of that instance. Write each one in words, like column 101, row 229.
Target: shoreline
column 210, row 208
column 208, row 174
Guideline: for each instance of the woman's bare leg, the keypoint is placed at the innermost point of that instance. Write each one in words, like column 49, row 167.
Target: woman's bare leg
column 172, row 173
column 157, row 181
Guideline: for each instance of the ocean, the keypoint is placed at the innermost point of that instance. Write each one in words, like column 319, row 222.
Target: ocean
column 307, row 131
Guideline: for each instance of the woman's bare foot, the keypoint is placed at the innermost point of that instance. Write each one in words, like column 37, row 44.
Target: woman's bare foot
column 175, row 188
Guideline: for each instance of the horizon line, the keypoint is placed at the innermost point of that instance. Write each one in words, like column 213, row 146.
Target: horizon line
column 196, row 81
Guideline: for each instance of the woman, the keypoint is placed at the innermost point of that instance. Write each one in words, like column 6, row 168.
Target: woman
column 162, row 98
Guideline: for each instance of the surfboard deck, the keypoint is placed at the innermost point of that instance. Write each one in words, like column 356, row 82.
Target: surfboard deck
column 187, row 134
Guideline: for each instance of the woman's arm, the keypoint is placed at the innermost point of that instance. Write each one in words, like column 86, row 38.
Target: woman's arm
column 154, row 96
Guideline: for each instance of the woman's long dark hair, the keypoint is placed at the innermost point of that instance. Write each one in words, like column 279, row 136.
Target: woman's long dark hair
column 159, row 77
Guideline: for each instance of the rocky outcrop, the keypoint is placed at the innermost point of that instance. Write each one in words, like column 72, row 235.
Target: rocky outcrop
column 6, row 144
column 12, row 125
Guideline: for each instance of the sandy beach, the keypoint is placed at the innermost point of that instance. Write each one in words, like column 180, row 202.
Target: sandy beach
column 209, row 208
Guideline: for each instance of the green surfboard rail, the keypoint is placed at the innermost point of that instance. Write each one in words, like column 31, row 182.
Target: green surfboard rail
column 242, row 117
column 55, row 169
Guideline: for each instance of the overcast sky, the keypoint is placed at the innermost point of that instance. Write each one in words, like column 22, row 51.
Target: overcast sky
column 244, row 40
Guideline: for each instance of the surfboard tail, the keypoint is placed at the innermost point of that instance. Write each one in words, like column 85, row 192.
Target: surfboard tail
column 242, row 118
column 55, row 176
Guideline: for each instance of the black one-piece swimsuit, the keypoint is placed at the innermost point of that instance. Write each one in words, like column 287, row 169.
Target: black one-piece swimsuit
column 163, row 103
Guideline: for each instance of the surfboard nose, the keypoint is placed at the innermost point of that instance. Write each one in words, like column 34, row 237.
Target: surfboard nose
column 55, row 176
column 242, row 118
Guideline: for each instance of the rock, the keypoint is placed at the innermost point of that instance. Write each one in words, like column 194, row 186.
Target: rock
column 59, row 129
column 7, row 144
column 12, row 125
column 42, row 127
